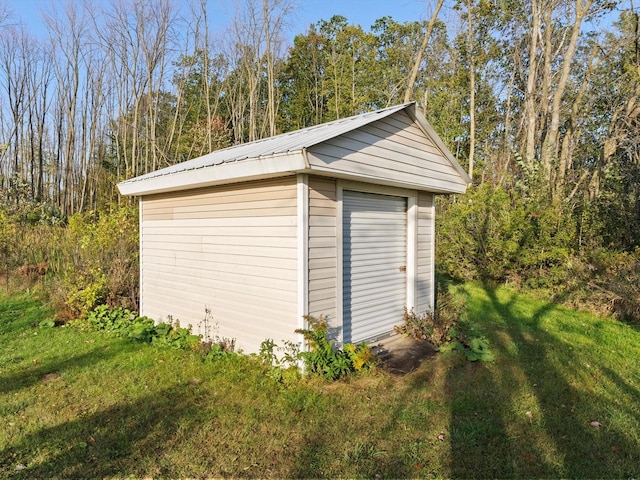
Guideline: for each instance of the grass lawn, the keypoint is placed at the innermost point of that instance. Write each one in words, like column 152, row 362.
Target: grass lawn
column 82, row 404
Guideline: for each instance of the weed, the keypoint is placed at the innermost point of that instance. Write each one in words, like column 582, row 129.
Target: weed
column 123, row 322
column 324, row 359
column 444, row 328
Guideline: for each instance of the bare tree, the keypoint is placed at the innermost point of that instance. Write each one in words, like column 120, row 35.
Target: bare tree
column 256, row 39
column 411, row 81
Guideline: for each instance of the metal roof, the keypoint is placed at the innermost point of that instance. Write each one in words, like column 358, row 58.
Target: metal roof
column 290, row 142
column 287, row 154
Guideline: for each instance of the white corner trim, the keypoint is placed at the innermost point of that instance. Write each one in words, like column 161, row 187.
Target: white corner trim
column 340, row 264
column 140, row 258
column 433, row 251
column 412, row 250
column 303, row 253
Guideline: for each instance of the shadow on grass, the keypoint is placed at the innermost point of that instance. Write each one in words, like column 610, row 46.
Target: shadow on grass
column 112, row 442
column 529, row 415
column 29, row 377
column 17, row 312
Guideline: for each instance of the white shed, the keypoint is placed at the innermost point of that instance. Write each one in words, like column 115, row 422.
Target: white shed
column 335, row 219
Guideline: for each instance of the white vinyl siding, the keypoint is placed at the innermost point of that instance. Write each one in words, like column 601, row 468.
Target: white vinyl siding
column 323, row 248
column 374, row 252
column 425, row 243
column 231, row 249
column 393, row 150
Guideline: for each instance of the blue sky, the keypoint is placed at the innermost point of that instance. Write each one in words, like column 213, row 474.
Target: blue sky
column 362, row 12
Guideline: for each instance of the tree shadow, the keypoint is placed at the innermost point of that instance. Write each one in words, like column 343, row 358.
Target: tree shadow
column 552, row 436
column 43, row 372
column 108, row 443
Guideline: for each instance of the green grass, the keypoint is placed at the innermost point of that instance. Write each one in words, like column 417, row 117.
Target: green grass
column 77, row 403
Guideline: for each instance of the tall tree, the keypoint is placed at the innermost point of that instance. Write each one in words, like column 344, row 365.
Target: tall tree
column 418, row 60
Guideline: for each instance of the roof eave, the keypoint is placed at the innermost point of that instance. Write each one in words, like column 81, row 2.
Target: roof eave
column 378, row 180
column 244, row 170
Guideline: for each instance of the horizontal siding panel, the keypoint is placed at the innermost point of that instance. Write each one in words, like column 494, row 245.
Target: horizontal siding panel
column 184, row 273
column 226, row 213
column 323, row 283
column 226, row 231
column 325, row 307
column 262, row 252
column 256, row 261
column 245, row 222
column 322, row 242
column 322, row 221
column 323, row 211
column 211, row 252
column 278, row 297
column 320, row 295
column 323, row 203
column 410, row 139
column 222, row 202
column 394, row 147
column 249, row 331
column 408, row 127
column 321, row 263
column 330, row 317
column 349, row 169
column 321, row 273
column 328, row 252
column 275, row 274
column 274, row 185
column 318, row 232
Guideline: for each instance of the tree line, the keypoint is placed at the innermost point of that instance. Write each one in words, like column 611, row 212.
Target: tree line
column 538, row 99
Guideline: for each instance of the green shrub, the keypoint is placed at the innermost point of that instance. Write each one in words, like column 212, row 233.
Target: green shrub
column 125, row 323
column 498, row 235
column 434, row 326
column 327, row 361
column 97, row 261
column 445, row 328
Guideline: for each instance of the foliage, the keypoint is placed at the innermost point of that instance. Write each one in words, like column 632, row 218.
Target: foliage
column 90, row 259
column 327, row 361
column 446, row 328
column 125, row 323
column 284, row 368
column 492, row 234
column 434, row 326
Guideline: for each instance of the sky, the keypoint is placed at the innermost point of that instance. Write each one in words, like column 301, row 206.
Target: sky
column 360, row 12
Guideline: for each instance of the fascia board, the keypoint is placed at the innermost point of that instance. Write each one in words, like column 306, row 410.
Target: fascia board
column 242, row 170
column 330, row 172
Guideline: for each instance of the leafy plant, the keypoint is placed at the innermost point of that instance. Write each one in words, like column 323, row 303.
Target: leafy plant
column 125, row 323
column 328, row 361
column 444, row 329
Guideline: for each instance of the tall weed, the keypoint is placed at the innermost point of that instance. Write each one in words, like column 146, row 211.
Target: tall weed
column 87, row 260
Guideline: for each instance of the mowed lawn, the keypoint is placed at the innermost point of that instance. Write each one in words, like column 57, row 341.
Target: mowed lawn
column 561, row 399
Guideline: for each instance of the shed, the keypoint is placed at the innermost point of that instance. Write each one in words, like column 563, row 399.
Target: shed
column 335, row 219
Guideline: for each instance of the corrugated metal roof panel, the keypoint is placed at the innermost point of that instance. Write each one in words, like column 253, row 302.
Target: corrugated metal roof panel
column 287, row 142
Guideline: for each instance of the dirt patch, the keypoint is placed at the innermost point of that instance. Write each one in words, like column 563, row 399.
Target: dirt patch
column 400, row 355
column 50, row 377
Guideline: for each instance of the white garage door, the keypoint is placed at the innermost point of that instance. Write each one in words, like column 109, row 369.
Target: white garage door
column 374, row 252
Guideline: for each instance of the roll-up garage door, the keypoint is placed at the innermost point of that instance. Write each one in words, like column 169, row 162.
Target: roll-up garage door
column 374, row 253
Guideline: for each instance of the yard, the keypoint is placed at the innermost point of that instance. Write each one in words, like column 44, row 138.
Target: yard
column 561, row 399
